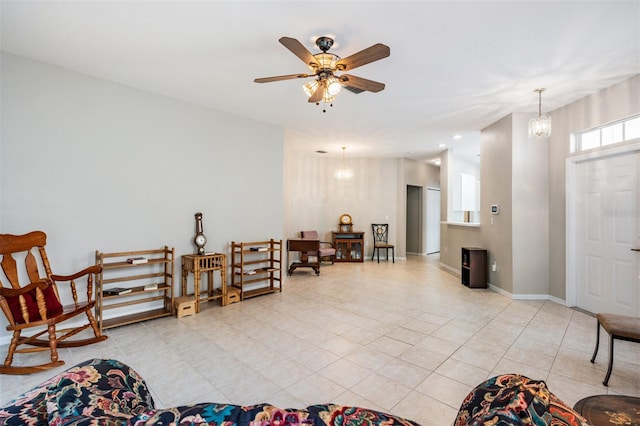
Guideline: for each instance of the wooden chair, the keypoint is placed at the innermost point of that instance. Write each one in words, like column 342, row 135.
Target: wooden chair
column 381, row 241
column 35, row 307
column 620, row 327
column 326, row 248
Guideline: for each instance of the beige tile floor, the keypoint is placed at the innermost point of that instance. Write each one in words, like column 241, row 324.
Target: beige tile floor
column 406, row 338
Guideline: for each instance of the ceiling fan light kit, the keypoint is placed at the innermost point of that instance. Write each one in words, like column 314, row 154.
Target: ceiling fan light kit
column 325, row 66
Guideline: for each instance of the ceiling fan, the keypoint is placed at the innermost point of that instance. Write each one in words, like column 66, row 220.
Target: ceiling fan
column 326, row 66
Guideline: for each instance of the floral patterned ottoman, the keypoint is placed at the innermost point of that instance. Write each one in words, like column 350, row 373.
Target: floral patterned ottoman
column 108, row 392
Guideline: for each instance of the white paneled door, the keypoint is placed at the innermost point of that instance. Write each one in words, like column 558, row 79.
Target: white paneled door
column 433, row 220
column 607, row 232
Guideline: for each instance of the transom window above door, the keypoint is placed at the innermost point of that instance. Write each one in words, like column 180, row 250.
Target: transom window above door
column 619, row 131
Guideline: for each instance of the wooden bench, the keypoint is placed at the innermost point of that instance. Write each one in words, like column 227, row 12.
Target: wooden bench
column 620, row 327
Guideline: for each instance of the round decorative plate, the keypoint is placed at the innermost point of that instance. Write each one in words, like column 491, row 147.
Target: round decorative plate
column 345, row 219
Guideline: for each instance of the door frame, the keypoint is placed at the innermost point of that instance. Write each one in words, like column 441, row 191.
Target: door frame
column 571, row 291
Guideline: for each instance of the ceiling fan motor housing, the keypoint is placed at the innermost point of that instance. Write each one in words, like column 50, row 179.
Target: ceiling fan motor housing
column 324, row 43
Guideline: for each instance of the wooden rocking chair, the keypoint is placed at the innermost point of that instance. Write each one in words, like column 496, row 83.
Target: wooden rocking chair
column 35, row 307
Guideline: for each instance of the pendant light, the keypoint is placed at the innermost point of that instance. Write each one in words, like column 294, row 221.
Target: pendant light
column 540, row 127
column 343, row 173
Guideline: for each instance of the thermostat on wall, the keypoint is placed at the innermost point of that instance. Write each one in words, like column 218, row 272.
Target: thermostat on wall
column 495, row 208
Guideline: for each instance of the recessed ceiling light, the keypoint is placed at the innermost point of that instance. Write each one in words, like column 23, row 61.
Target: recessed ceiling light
column 456, row 136
column 436, row 161
column 442, row 145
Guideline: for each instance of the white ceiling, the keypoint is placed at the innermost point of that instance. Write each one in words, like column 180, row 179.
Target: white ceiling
column 455, row 66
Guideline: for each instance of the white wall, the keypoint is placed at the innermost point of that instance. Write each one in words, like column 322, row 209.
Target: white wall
column 527, row 178
column 515, row 176
column 314, row 199
column 530, row 209
column 496, row 153
column 610, row 104
column 102, row 166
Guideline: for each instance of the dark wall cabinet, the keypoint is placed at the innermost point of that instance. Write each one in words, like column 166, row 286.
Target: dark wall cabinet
column 474, row 267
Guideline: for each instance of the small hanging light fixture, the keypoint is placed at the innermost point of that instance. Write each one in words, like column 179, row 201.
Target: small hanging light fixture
column 343, row 173
column 540, row 127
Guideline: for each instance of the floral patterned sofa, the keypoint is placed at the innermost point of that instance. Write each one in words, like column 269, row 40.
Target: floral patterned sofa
column 513, row 400
column 108, row 392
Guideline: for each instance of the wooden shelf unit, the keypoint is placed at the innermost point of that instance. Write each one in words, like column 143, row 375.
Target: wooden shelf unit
column 349, row 246
column 117, row 272
column 474, row 267
column 256, row 272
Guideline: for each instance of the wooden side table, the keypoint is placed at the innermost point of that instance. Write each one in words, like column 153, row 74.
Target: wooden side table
column 209, row 263
column 474, row 267
column 607, row 410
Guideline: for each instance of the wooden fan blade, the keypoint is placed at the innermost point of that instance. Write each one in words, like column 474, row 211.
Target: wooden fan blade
column 360, row 83
column 370, row 54
column 299, row 50
column 280, row 78
column 317, row 95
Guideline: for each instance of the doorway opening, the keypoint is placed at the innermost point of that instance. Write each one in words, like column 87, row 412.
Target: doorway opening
column 414, row 220
column 423, row 220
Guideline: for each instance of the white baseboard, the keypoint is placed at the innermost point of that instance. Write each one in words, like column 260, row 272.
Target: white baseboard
column 382, row 259
column 527, row 296
column 449, row 269
column 500, row 291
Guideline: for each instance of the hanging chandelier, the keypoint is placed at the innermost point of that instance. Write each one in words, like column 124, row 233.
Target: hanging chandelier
column 343, row 173
column 540, row 127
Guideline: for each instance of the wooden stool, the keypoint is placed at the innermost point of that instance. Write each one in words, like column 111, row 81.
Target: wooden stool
column 185, row 305
column 619, row 327
column 232, row 296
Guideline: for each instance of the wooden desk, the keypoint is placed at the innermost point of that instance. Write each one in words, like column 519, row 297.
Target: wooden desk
column 205, row 263
column 304, row 246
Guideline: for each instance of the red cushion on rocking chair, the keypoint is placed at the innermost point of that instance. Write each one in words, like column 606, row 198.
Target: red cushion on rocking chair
column 53, row 305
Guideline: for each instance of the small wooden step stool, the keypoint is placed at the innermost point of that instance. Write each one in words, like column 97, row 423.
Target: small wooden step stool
column 233, row 296
column 185, row 305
